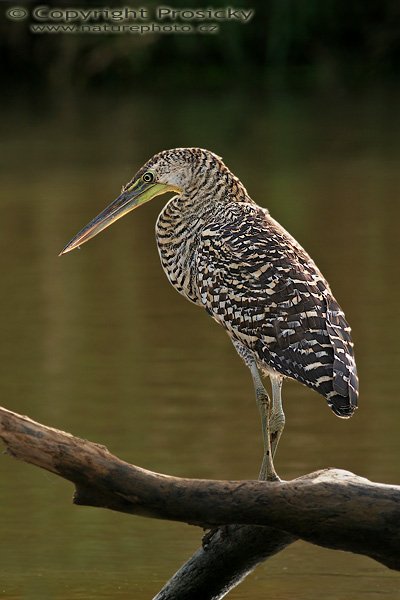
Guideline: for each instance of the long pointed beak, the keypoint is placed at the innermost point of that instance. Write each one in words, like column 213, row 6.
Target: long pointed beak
column 139, row 193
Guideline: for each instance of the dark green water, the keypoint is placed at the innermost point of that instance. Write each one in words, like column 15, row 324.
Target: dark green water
column 98, row 343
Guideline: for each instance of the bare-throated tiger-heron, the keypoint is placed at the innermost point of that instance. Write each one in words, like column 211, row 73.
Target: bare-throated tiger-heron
column 225, row 253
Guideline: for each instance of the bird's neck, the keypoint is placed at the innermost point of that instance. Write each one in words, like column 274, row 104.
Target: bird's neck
column 182, row 220
column 209, row 193
column 219, row 187
column 200, row 203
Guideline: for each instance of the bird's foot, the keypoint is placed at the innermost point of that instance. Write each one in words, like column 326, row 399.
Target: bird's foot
column 267, row 471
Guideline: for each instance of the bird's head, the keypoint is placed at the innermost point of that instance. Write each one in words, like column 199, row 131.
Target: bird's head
column 167, row 171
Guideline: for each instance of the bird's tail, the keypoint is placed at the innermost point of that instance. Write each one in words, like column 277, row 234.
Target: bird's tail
column 343, row 399
column 341, row 406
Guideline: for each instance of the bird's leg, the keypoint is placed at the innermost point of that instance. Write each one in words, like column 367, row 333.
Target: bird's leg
column 267, row 471
column 277, row 418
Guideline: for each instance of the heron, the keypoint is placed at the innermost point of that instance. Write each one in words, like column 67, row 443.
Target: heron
column 225, row 253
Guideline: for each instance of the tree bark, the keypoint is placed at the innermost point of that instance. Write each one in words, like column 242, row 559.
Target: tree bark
column 331, row 508
column 224, row 561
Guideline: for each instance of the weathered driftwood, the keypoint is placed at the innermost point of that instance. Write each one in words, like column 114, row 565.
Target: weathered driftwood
column 224, row 561
column 331, row 508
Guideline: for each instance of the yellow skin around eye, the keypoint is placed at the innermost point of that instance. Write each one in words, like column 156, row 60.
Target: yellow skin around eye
column 148, row 177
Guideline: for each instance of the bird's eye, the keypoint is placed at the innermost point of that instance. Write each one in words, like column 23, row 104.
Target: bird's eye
column 148, row 177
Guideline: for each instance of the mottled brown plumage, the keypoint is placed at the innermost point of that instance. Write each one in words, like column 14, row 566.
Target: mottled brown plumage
column 225, row 253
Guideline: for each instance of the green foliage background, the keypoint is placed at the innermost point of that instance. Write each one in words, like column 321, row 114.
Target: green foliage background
column 288, row 43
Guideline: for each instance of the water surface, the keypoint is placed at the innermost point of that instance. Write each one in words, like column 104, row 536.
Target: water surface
column 98, row 343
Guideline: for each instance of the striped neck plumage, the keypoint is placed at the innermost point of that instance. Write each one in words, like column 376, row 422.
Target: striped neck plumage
column 209, row 190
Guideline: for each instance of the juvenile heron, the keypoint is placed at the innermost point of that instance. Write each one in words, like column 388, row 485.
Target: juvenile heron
column 225, row 253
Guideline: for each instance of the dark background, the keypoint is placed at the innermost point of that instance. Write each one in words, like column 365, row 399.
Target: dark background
column 289, row 43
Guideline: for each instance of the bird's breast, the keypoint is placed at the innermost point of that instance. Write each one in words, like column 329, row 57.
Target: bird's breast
column 177, row 240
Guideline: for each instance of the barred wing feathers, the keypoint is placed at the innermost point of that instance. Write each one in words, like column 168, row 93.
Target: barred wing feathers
column 261, row 285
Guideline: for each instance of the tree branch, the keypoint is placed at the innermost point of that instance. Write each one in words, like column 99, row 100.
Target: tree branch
column 331, row 508
column 230, row 555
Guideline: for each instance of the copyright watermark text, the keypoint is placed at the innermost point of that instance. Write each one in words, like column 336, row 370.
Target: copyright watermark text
column 142, row 20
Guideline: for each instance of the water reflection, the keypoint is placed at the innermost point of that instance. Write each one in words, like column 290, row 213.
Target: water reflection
column 98, row 343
